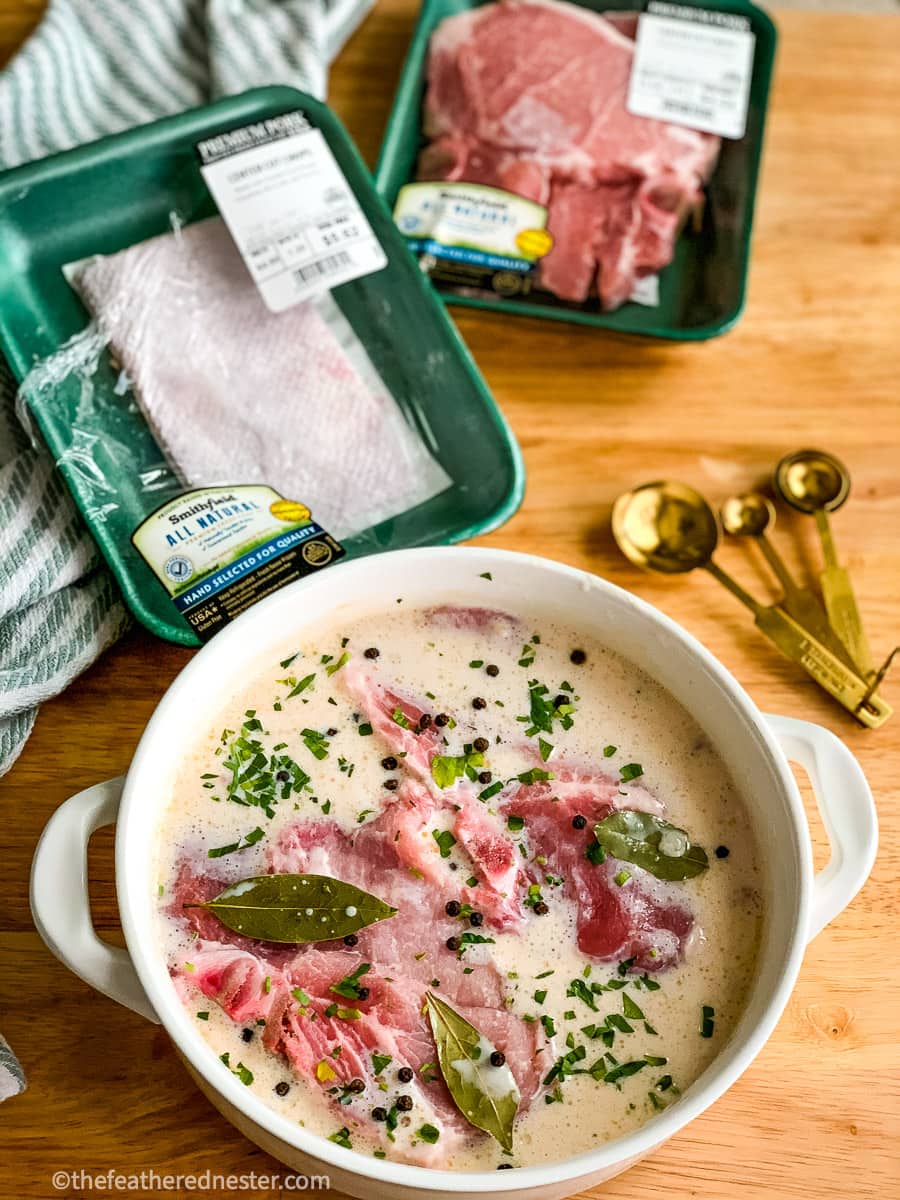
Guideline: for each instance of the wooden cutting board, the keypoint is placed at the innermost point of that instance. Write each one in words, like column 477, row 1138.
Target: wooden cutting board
column 815, row 360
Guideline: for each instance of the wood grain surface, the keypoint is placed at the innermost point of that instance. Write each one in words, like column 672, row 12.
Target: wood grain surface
column 815, row 360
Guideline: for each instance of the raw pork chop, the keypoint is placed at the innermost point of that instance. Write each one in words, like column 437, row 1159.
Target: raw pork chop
column 289, row 988
column 644, row 919
column 235, row 394
column 529, row 96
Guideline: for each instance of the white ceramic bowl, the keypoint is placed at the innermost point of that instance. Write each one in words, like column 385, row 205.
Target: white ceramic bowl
column 797, row 902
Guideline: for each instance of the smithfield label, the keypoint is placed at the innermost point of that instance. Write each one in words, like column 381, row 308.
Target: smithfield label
column 217, row 551
column 482, row 231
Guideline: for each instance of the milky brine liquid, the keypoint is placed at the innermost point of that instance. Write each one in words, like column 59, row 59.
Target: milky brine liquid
column 618, row 706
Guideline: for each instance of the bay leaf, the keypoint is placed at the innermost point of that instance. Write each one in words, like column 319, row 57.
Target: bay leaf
column 652, row 843
column 296, row 908
column 487, row 1096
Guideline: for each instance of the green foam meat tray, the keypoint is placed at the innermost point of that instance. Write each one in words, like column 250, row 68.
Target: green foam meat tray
column 702, row 291
column 110, row 194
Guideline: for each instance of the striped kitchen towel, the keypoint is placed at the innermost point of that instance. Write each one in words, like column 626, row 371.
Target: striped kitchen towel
column 94, row 67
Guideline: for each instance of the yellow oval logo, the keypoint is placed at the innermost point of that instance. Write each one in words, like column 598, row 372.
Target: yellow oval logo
column 290, row 510
column 534, row 243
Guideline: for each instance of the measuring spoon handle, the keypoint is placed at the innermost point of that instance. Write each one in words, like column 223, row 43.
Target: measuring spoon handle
column 817, row 660
column 840, row 600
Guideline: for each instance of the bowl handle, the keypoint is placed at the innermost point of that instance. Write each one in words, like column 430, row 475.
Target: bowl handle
column 59, row 897
column 847, row 810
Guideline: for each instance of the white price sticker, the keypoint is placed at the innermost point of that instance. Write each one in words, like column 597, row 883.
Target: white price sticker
column 693, row 69
column 291, row 212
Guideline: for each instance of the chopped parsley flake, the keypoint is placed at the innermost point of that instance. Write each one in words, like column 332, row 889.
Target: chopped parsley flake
column 543, row 711
column 630, row 1009
column 514, row 823
column 580, row 990
column 428, row 1133
column 631, row 771
column 315, row 742
column 336, row 666
column 342, row 1138
column 349, row 986
column 472, row 939
column 304, row 683
column 399, row 717
column 243, row 1073
column 250, row 839
column 491, row 790
column 447, row 768
column 535, row 775
column 445, row 840
column 364, row 730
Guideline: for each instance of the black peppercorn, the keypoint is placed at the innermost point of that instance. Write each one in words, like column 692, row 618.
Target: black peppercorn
column 492, row 669
column 405, row 1103
column 479, row 702
column 485, row 777
column 504, row 1166
column 362, row 993
column 561, row 699
column 425, row 720
column 452, row 908
column 476, row 919
column 441, row 720
column 247, row 1035
column 379, row 1114
column 579, row 822
column 282, row 1089
column 498, row 1058
column 372, row 652
column 390, row 763
column 332, row 732
column 392, row 784
column 405, row 1074
column 577, row 657
column 356, row 1086
column 282, row 776
column 351, row 939
column 453, row 866
column 452, row 943
column 722, row 851
column 541, row 908
column 481, row 744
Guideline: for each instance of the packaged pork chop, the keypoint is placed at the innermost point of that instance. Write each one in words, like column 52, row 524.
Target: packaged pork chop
column 578, row 161
column 237, row 367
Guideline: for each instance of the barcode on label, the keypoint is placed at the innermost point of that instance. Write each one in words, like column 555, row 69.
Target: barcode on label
column 688, row 110
column 324, row 266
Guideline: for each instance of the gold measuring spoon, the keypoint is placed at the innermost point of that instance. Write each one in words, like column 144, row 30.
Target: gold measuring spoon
column 750, row 515
column 816, row 483
column 669, row 527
